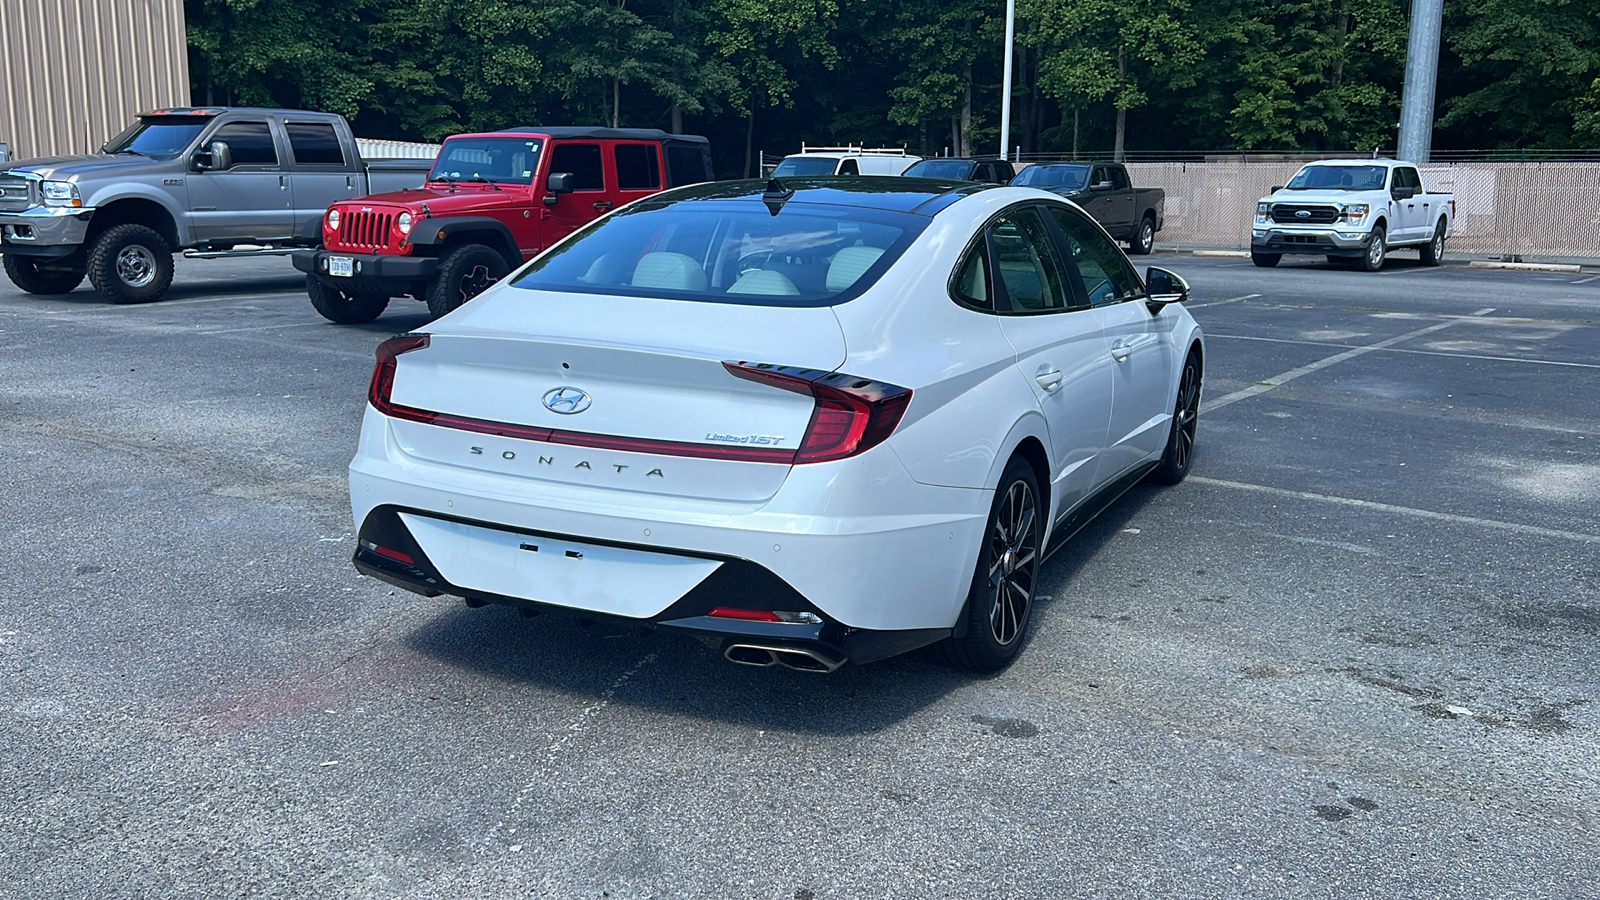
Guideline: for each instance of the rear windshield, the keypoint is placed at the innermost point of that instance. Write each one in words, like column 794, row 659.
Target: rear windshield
column 957, row 169
column 158, row 137
column 1053, row 176
column 496, row 160
column 729, row 252
column 1339, row 178
column 806, row 165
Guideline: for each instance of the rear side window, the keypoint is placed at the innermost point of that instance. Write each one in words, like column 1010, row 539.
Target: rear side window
column 729, row 252
column 686, row 164
column 583, row 161
column 249, row 142
column 638, row 167
column 314, row 144
column 849, row 167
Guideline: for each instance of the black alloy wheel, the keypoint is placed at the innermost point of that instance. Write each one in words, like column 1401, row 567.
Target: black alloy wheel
column 1179, row 455
column 464, row 272
column 1000, row 600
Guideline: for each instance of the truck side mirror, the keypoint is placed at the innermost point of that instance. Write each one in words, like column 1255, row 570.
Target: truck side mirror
column 557, row 183
column 1101, row 186
column 1403, row 193
column 216, row 158
column 1275, row 188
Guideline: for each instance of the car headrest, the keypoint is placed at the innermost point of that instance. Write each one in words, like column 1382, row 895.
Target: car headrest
column 850, row 264
column 765, row 282
column 672, row 271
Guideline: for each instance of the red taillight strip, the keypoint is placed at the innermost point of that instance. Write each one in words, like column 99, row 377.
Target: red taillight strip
column 852, row 414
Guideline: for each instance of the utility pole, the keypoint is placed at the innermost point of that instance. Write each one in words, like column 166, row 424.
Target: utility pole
column 1005, row 80
column 1422, row 76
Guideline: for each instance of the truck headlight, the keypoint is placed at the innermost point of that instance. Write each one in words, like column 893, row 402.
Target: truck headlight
column 1262, row 210
column 1355, row 212
column 403, row 222
column 333, row 219
column 60, row 193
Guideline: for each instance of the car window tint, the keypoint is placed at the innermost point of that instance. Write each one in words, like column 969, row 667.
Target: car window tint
column 686, row 164
column 1119, row 178
column 583, row 161
column 250, row 143
column 849, row 167
column 1026, row 258
column 1107, row 277
column 1407, row 178
column 971, row 283
column 314, row 144
column 638, row 167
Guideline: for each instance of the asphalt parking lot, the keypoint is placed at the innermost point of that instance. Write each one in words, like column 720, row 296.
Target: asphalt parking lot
column 1354, row 655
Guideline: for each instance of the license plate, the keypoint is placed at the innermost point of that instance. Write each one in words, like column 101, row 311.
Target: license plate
column 342, row 266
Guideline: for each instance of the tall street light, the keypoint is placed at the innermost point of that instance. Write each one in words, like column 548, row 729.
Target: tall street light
column 1005, row 82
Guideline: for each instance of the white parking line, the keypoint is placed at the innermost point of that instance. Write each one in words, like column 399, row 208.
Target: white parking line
column 259, row 328
column 1587, row 280
column 1292, row 374
column 1220, row 302
column 1401, row 510
column 1517, row 359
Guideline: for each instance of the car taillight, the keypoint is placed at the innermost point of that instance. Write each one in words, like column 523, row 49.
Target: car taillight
column 383, row 372
column 852, row 414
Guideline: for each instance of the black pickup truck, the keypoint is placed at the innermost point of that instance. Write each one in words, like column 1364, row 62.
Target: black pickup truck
column 1103, row 190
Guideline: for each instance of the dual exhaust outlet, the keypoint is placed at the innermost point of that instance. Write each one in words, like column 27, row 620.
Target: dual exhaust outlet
column 801, row 657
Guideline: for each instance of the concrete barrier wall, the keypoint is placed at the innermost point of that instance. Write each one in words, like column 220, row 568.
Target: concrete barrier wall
column 1526, row 208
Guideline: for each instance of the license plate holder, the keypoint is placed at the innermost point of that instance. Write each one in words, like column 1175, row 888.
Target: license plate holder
column 341, row 266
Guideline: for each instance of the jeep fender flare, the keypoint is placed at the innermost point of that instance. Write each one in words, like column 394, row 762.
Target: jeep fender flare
column 436, row 232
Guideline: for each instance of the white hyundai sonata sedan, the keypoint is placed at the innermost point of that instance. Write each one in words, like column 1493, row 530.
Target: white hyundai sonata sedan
column 810, row 422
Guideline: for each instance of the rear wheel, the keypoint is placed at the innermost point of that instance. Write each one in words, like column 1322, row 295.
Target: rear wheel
column 1377, row 248
column 347, row 307
column 1179, row 454
column 1000, row 600
column 464, row 272
column 1144, row 240
column 1265, row 260
column 39, row 276
column 1433, row 251
column 130, row 264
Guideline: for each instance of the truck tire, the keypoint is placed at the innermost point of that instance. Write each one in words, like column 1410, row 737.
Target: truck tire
column 1144, row 237
column 26, row 272
column 464, row 272
column 1377, row 248
column 1265, row 260
column 130, row 264
column 352, row 307
column 1433, row 251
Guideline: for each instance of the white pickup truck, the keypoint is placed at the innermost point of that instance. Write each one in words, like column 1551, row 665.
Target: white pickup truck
column 1353, row 210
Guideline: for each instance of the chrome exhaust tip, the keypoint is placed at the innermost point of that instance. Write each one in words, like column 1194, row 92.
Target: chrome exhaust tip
column 799, row 657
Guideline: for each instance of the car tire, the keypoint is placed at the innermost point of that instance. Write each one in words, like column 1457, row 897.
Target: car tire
column 1377, row 249
column 347, row 307
column 464, row 272
column 26, row 272
column 1265, row 260
column 1433, row 251
column 130, row 264
column 1144, row 239
column 1000, row 601
column 1179, row 455
column 1340, row 261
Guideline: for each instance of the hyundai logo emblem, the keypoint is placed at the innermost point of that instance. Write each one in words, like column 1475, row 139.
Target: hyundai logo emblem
column 1302, row 214
column 566, row 401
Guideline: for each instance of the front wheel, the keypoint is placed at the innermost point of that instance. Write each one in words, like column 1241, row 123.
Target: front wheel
column 1433, row 251
column 130, row 264
column 464, row 272
column 1179, row 455
column 37, row 276
column 1265, row 260
column 1000, row 600
column 1144, row 240
column 347, row 307
column 1377, row 248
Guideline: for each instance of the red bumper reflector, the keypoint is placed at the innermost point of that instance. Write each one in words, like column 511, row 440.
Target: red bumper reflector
column 753, row 615
column 394, row 554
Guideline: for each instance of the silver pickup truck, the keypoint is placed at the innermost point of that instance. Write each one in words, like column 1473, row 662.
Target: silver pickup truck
column 210, row 182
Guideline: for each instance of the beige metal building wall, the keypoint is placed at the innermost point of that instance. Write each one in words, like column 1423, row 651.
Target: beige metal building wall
column 75, row 72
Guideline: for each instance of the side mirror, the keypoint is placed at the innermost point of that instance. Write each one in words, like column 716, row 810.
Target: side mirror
column 1164, row 287
column 1403, row 193
column 561, row 182
column 216, row 158
column 1276, row 188
column 1101, row 186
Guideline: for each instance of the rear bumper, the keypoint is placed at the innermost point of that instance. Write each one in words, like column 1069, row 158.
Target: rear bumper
column 370, row 268
column 1322, row 242
column 44, row 231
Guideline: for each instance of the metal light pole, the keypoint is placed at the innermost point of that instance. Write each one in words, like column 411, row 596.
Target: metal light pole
column 1005, row 80
column 1422, row 75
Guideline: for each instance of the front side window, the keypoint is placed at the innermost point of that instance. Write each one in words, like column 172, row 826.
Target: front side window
column 1025, row 255
column 1106, row 275
column 728, row 251
column 1407, row 178
column 250, row 143
column 1119, row 178
column 583, row 161
column 509, row 160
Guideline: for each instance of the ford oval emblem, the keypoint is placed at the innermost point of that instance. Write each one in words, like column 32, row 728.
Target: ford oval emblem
column 1302, row 214
column 566, row 401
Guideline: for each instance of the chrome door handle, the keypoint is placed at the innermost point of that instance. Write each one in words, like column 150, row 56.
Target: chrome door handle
column 1048, row 378
column 283, row 182
column 1121, row 350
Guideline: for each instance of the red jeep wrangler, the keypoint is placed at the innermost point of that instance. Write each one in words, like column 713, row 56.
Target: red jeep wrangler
column 491, row 201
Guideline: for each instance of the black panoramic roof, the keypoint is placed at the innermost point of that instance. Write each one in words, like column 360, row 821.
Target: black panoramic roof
column 615, row 134
column 893, row 193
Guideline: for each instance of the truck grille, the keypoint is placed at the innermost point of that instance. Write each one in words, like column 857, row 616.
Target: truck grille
column 368, row 231
column 1289, row 214
column 16, row 193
